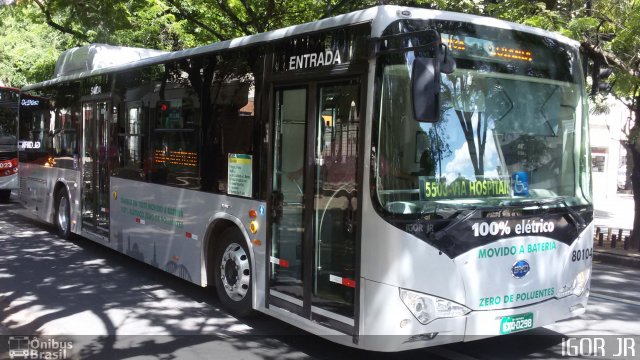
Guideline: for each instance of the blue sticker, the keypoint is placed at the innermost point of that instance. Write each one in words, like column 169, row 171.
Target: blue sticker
column 261, row 210
column 520, row 183
column 520, row 269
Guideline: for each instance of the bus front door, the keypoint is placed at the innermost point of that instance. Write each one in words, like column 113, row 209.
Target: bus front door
column 95, row 176
column 286, row 282
column 315, row 200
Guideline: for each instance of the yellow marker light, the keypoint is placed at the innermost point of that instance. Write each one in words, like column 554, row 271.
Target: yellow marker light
column 253, row 214
column 115, row 195
column 253, row 227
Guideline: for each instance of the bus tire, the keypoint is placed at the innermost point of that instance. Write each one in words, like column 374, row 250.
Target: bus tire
column 5, row 195
column 232, row 273
column 62, row 217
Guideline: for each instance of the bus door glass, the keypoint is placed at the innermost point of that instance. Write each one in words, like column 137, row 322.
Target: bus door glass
column 288, row 192
column 335, row 199
column 315, row 199
column 95, row 175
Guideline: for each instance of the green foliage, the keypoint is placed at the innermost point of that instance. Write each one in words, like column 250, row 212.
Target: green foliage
column 46, row 27
column 28, row 50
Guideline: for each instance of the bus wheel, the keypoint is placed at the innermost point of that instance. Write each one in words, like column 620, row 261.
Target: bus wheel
column 62, row 217
column 232, row 273
column 5, row 195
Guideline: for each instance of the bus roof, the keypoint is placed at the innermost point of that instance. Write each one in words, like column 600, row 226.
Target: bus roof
column 380, row 17
column 98, row 56
column 9, row 88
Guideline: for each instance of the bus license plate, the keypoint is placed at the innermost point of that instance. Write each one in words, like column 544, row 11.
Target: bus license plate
column 515, row 323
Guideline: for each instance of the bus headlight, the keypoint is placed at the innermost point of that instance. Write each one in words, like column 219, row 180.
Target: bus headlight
column 577, row 285
column 427, row 308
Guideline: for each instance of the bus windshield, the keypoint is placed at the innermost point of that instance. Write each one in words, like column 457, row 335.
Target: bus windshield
column 512, row 125
column 8, row 120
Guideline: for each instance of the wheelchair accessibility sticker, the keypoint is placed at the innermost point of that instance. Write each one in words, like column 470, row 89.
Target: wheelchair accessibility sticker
column 520, row 182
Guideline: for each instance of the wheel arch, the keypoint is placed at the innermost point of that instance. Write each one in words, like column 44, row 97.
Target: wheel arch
column 219, row 223
column 60, row 185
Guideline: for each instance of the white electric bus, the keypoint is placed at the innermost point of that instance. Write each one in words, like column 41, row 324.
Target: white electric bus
column 8, row 141
column 419, row 175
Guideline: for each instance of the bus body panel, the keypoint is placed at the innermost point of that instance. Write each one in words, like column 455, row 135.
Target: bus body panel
column 9, row 182
column 37, row 184
column 491, row 278
column 167, row 227
column 389, row 326
column 390, row 252
column 483, row 324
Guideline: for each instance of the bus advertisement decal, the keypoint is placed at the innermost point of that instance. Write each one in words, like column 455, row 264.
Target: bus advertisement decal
column 516, row 298
column 461, row 235
column 457, row 235
column 513, row 250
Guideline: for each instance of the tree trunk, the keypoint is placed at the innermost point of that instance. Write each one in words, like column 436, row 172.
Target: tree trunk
column 635, row 185
column 633, row 150
column 629, row 172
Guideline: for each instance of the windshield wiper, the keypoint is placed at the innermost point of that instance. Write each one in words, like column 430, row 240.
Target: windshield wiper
column 577, row 219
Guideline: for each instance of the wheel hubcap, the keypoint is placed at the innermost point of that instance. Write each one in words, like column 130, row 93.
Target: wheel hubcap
column 63, row 220
column 235, row 272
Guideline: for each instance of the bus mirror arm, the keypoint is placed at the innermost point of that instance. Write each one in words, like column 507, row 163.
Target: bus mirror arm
column 447, row 62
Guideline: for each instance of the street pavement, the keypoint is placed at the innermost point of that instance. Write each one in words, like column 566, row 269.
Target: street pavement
column 616, row 213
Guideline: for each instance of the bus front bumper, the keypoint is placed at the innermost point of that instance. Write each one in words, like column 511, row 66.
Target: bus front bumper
column 9, row 182
column 392, row 327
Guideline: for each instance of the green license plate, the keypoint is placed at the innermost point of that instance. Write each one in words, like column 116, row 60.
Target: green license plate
column 515, row 323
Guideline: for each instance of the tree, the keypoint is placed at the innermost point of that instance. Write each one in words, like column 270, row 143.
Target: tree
column 158, row 24
column 28, row 50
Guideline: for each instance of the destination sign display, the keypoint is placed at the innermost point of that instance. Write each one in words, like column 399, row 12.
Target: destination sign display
column 433, row 188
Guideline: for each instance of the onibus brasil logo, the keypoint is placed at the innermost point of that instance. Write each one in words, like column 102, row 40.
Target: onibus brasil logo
column 33, row 347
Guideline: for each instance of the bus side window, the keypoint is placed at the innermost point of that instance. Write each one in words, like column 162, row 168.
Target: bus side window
column 173, row 159
column 134, row 91
column 230, row 126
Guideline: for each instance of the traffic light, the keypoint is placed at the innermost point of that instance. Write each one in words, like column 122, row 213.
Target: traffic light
column 599, row 75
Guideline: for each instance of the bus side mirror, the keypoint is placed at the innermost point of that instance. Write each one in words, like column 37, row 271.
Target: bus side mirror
column 425, row 89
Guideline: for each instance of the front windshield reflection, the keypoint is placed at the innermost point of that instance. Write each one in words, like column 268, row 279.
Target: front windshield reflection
column 500, row 137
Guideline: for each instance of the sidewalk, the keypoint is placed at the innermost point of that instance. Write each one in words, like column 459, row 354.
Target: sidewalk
column 615, row 213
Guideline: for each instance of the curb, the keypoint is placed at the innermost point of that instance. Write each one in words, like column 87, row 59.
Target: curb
column 613, row 259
